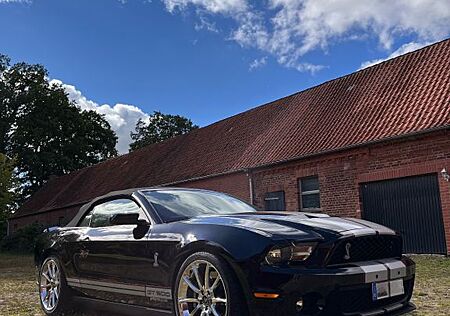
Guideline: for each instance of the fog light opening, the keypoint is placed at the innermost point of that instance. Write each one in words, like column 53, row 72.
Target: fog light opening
column 299, row 305
column 310, row 304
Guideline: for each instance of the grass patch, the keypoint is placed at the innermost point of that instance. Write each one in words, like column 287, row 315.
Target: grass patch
column 18, row 286
column 432, row 288
column 19, row 292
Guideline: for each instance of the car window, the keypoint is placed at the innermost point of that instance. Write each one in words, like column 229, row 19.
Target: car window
column 85, row 222
column 173, row 205
column 100, row 215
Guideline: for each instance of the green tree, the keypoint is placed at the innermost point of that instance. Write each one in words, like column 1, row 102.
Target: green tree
column 8, row 186
column 160, row 127
column 46, row 131
column 5, row 104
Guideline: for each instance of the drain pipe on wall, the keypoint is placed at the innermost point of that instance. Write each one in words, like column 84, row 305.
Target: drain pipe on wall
column 250, row 186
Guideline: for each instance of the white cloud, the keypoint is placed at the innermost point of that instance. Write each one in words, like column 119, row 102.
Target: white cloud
column 214, row 6
column 205, row 24
column 126, row 1
column 289, row 29
column 121, row 117
column 404, row 49
column 15, row 1
column 257, row 63
column 316, row 23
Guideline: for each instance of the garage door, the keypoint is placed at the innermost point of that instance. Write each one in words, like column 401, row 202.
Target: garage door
column 411, row 206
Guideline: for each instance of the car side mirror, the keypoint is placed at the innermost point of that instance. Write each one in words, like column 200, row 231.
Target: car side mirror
column 125, row 219
column 143, row 222
column 142, row 229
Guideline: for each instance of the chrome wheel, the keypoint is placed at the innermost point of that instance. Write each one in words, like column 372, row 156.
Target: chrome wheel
column 201, row 291
column 49, row 285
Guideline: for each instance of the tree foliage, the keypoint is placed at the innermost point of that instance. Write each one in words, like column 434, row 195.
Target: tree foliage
column 159, row 128
column 23, row 240
column 8, row 186
column 44, row 129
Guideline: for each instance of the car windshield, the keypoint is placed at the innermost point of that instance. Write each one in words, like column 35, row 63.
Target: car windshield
column 174, row 205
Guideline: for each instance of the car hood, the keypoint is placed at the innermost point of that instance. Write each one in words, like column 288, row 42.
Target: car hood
column 294, row 225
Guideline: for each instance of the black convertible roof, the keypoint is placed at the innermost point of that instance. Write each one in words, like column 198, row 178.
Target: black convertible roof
column 127, row 192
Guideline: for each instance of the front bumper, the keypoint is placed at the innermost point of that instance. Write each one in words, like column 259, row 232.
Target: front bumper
column 343, row 290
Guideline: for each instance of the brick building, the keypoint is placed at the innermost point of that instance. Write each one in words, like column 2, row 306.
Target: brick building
column 373, row 144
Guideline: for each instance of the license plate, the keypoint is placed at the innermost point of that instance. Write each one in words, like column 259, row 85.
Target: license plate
column 396, row 287
column 380, row 290
column 387, row 289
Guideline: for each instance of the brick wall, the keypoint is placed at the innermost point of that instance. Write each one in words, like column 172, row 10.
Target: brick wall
column 340, row 174
column 337, row 174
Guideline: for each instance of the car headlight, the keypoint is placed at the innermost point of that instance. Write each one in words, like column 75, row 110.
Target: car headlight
column 294, row 253
column 301, row 252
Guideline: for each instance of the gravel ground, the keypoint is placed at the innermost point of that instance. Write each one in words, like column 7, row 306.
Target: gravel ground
column 18, row 293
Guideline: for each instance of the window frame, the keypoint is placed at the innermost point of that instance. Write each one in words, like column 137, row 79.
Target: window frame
column 110, row 199
column 302, row 193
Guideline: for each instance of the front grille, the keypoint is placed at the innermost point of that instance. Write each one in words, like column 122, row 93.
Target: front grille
column 359, row 299
column 366, row 248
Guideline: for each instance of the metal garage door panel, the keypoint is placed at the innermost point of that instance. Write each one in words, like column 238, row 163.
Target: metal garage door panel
column 411, row 206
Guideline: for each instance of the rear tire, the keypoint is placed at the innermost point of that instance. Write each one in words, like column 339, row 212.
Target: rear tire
column 211, row 290
column 54, row 294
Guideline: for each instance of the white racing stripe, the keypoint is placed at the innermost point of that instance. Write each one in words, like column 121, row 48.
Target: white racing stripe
column 397, row 269
column 113, row 290
column 140, row 288
column 374, row 271
column 359, row 232
column 73, row 282
column 383, row 270
column 155, row 293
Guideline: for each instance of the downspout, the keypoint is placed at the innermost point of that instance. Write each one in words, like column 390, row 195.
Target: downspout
column 250, row 186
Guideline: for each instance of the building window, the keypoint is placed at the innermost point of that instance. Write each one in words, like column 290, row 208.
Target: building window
column 274, row 201
column 309, row 194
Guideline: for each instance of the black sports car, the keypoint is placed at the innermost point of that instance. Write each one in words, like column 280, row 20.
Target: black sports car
column 191, row 252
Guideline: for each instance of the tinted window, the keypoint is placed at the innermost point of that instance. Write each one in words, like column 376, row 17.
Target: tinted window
column 101, row 214
column 173, row 205
column 310, row 184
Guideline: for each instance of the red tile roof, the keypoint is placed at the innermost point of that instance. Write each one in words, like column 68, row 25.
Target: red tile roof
column 405, row 95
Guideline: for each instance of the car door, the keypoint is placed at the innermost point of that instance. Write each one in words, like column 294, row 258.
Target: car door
column 113, row 262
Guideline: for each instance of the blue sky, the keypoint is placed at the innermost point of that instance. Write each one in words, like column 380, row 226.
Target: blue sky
column 207, row 59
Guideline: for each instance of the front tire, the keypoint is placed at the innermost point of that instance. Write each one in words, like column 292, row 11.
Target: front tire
column 54, row 294
column 206, row 285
